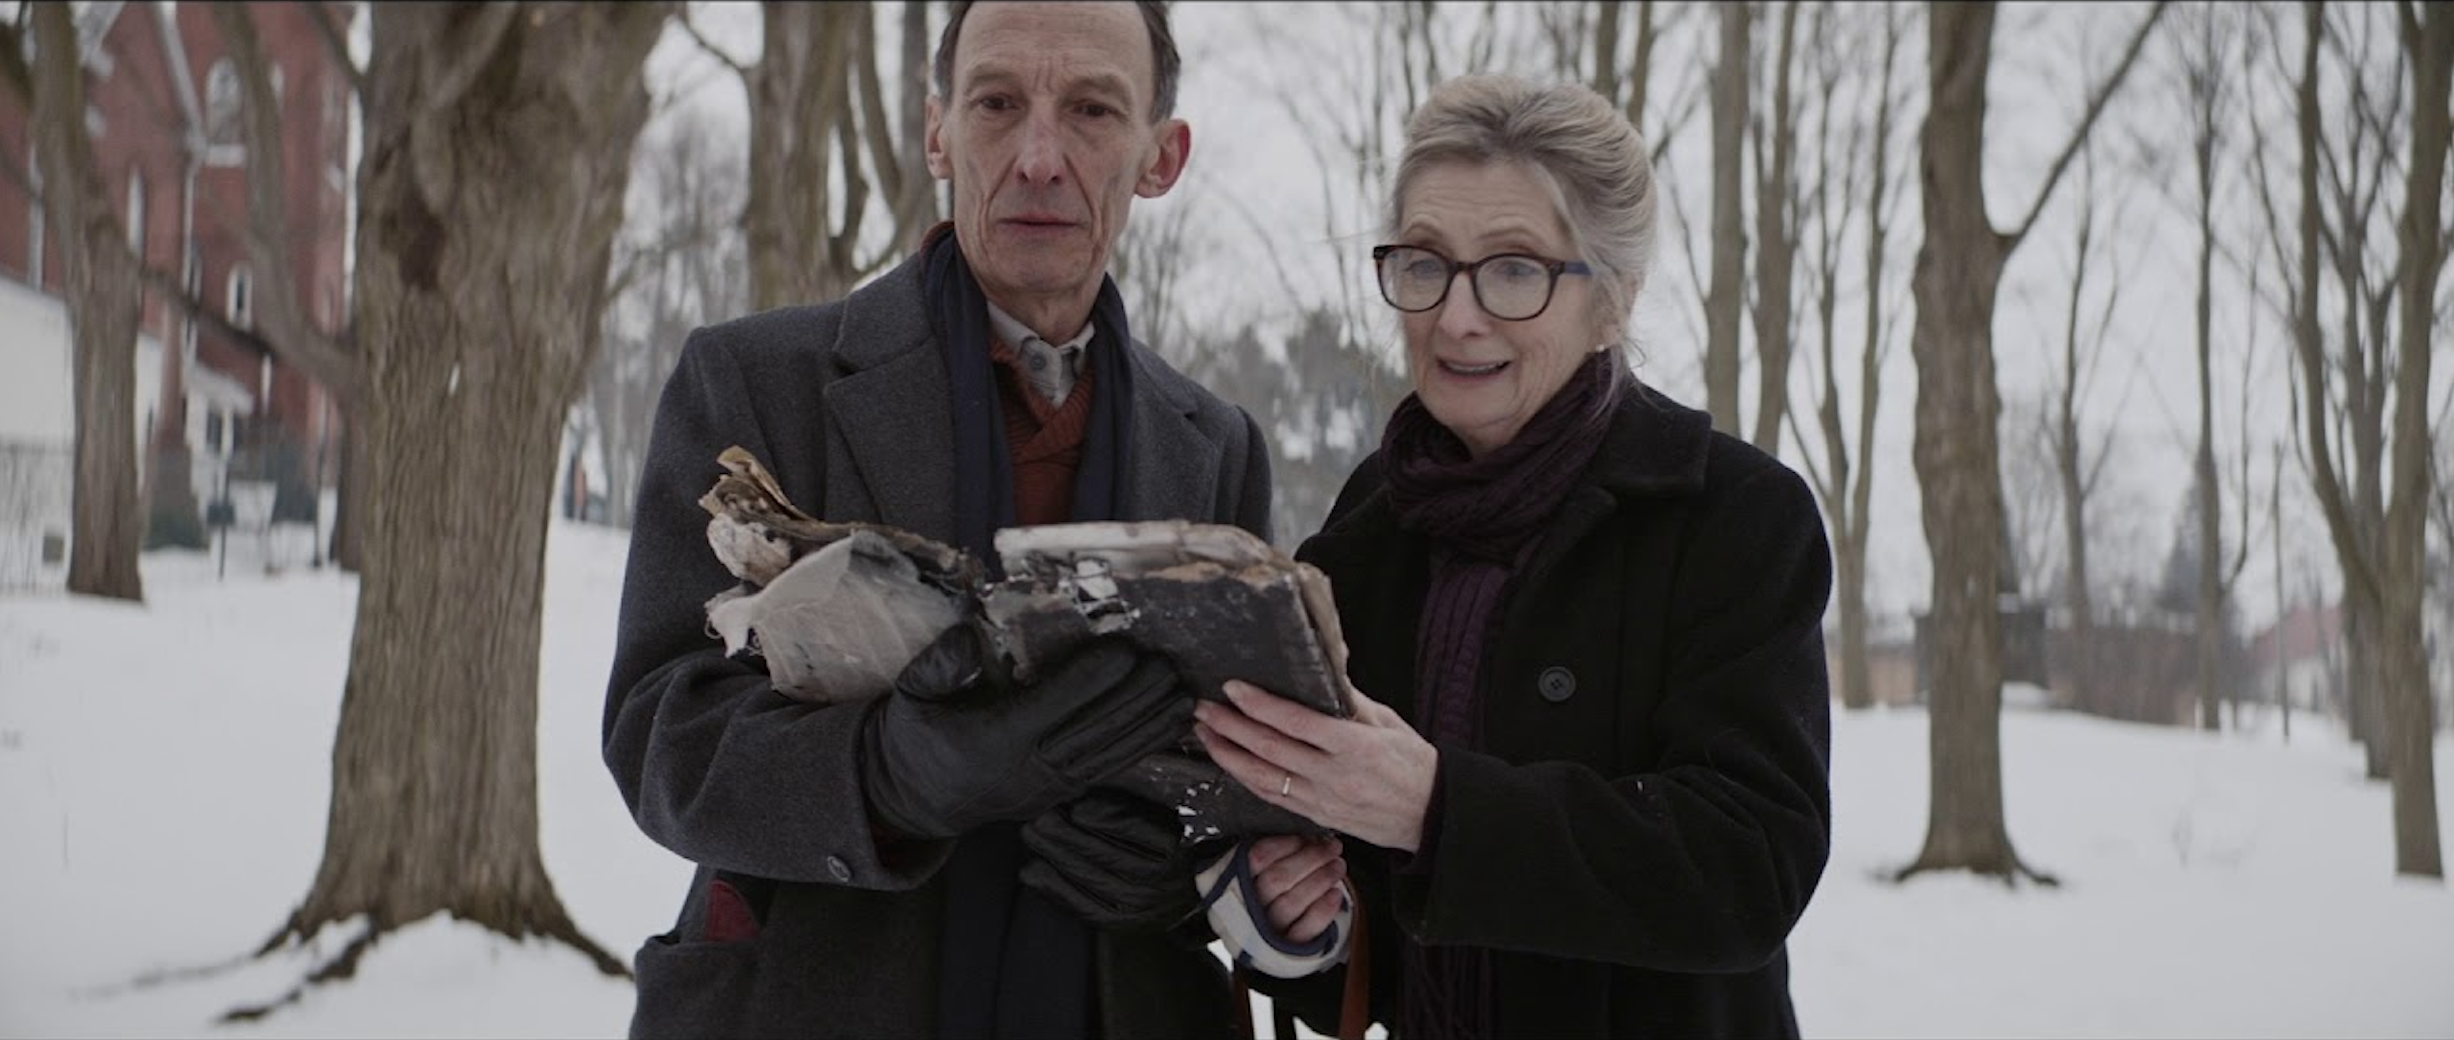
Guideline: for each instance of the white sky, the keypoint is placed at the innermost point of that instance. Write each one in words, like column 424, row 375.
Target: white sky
column 166, row 770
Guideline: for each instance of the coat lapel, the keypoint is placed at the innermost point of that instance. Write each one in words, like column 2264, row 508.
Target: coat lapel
column 1174, row 469
column 890, row 409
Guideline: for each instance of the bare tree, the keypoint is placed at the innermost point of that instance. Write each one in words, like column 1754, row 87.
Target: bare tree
column 1725, row 301
column 1959, row 269
column 2076, row 469
column 498, row 148
column 1777, row 231
column 2205, row 55
column 2401, row 574
column 2371, row 473
column 102, row 289
column 820, row 144
column 1844, row 477
column 683, row 267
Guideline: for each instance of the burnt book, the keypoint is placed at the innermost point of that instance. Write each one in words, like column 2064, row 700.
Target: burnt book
column 835, row 609
column 1218, row 601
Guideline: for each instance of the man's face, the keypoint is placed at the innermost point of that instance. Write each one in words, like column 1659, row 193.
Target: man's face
column 1047, row 138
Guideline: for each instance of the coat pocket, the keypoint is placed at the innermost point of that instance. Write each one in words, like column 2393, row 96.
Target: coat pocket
column 695, row 989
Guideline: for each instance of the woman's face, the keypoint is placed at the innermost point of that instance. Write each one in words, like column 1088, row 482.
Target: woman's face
column 1481, row 376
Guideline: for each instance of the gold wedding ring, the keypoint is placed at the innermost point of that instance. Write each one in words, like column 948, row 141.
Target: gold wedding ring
column 1286, row 785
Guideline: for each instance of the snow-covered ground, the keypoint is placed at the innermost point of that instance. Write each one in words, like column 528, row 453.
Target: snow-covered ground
column 163, row 775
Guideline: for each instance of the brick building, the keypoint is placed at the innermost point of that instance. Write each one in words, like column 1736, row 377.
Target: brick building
column 164, row 111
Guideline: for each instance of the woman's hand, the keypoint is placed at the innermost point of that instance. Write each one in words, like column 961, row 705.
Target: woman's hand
column 1300, row 878
column 1369, row 776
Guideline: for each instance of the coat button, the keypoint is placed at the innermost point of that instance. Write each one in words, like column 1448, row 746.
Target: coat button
column 1556, row 684
column 837, row 868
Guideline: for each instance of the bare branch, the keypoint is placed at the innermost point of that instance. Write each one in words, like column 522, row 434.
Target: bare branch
column 266, row 227
column 739, row 67
column 2087, row 123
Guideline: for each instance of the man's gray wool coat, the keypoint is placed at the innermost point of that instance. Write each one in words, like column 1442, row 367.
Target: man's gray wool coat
column 848, row 405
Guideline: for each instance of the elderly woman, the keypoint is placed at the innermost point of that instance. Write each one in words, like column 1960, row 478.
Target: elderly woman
column 1587, row 785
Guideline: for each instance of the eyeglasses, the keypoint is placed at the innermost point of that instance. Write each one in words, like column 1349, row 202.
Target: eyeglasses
column 1509, row 286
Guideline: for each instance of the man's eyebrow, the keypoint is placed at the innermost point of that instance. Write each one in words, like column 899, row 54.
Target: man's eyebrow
column 1103, row 82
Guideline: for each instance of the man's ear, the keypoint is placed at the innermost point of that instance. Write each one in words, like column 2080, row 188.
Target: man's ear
column 1175, row 147
column 939, row 166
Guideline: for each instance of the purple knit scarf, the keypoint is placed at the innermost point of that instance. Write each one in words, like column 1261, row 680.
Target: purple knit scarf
column 1484, row 517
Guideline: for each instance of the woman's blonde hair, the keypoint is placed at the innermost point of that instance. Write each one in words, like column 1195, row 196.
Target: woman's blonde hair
column 1576, row 143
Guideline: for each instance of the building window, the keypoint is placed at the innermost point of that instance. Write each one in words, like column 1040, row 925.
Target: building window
column 241, row 305
column 222, row 103
column 136, row 210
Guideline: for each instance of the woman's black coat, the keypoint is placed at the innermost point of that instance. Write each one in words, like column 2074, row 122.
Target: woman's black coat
column 1651, row 809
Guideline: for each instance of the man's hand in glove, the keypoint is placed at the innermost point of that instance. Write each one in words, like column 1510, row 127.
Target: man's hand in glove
column 946, row 751
column 1115, row 860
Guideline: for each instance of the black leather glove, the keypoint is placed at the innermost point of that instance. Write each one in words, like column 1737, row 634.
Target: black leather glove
column 949, row 750
column 1115, row 860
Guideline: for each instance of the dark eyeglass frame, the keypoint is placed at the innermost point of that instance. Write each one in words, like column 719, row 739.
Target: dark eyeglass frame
column 1474, row 278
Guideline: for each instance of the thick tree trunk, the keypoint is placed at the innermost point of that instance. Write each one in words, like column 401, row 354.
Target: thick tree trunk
column 2364, row 672
column 1958, row 459
column 348, row 549
column 102, row 284
column 1959, row 268
column 2428, row 43
column 498, row 148
column 1725, row 302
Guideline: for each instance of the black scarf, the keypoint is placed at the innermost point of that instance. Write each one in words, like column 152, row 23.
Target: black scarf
column 984, row 462
column 1484, row 517
column 1012, row 964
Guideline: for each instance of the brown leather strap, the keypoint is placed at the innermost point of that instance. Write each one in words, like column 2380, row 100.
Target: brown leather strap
column 1355, row 1013
column 1244, row 1002
column 1354, row 1009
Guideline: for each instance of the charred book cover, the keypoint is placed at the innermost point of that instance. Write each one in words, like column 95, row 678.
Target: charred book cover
column 835, row 609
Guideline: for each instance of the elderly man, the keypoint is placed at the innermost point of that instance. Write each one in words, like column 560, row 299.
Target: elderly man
column 941, row 860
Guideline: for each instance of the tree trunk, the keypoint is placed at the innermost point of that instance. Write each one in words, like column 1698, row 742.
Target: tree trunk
column 348, row 551
column 2070, row 467
column 1959, row 268
column 797, row 94
column 1853, row 541
column 2428, row 43
column 1725, row 303
column 1605, row 78
column 1958, row 459
column 2202, row 74
column 498, row 148
column 102, row 285
column 916, row 208
column 1777, row 210
column 1640, row 73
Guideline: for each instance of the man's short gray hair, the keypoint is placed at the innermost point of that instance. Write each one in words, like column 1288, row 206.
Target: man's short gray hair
column 1164, row 61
